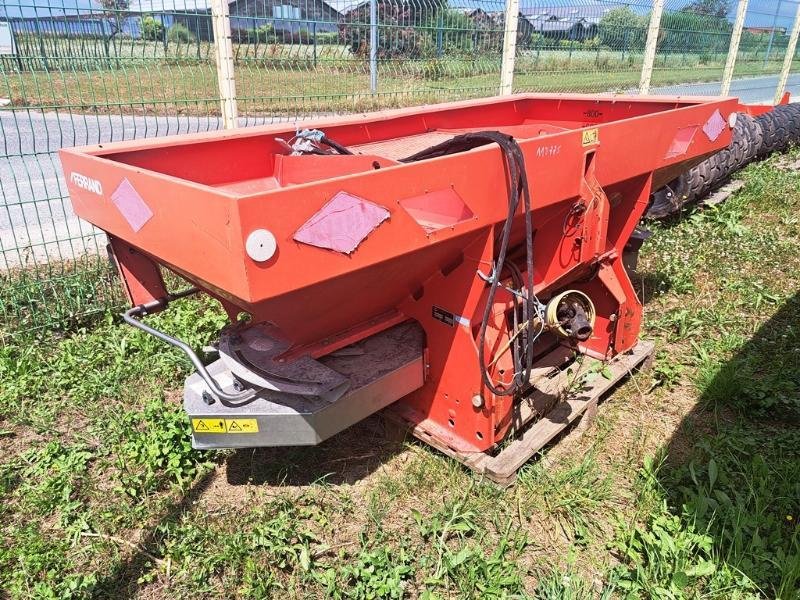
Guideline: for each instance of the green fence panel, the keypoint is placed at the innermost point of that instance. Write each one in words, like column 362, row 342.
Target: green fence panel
column 76, row 72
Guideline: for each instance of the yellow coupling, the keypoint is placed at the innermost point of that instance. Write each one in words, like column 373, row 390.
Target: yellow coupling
column 571, row 314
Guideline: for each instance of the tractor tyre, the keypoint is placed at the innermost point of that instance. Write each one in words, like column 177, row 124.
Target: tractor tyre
column 757, row 141
column 742, row 142
column 783, row 128
column 791, row 112
column 767, row 123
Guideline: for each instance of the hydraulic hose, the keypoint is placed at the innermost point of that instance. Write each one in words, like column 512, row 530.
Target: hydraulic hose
column 517, row 188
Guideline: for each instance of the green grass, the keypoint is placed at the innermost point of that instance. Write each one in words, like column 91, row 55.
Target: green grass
column 60, row 296
column 687, row 486
column 285, row 81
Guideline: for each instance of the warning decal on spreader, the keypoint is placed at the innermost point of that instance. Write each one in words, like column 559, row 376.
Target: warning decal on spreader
column 208, row 425
column 590, row 136
column 211, row 425
column 242, row 425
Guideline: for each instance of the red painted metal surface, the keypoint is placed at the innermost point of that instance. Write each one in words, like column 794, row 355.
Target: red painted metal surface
column 759, row 109
column 591, row 162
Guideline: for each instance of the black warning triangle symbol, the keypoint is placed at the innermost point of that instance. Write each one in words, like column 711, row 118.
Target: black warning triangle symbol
column 201, row 426
column 234, row 426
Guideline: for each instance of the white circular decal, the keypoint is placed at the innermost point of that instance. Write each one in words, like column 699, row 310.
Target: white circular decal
column 261, row 245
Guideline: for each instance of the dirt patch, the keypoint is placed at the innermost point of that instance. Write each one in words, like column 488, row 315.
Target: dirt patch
column 17, row 439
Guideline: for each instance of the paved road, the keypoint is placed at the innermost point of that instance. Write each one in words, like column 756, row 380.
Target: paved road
column 753, row 90
column 36, row 221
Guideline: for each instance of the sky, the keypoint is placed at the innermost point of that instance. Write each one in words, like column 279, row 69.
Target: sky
column 760, row 13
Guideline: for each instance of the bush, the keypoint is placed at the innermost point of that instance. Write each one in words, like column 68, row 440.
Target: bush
column 690, row 32
column 621, row 28
column 179, row 33
column 328, row 38
column 265, row 34
column 592, row 43
column 434, row 69
column 152, row 29
column 396, row 39
column 536, row 40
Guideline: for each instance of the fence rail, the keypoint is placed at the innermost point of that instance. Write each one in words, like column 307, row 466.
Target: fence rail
column 78, row 72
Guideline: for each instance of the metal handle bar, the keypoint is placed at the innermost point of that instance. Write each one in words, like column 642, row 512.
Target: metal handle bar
column 132, row 315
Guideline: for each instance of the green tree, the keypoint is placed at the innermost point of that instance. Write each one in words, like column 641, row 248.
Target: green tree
column 685, row 31
column 709, row 8
column 116, row 13
column 152, row 29
column 179, row 33
column 622, row 29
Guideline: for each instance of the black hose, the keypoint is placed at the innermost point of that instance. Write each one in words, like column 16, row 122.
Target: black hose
column 517, row 185
column 335, row 145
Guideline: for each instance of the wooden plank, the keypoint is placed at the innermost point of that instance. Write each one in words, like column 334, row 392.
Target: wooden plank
column 223, row 52
column 504, row 465
column 650, row 47
column 555, row 398
column 546, row 374
column 511, row 23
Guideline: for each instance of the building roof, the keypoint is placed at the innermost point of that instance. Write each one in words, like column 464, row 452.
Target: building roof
column 60, row 8
column 166, row 6
column 46, row 8
column 345, row 6
column 565, row 16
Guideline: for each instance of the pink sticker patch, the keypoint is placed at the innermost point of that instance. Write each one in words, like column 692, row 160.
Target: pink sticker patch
column 130, row 204
column 342, row 224
column 681, row 142
column 714, row 126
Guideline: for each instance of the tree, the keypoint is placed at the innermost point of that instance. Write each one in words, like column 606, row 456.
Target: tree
column 397, row 35
column 152, row 29
column 709, row 8
column 115, row 14
column 622, row 29
column 180, row 34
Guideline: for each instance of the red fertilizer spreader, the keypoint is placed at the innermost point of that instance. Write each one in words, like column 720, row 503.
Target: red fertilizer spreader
column 458, row 265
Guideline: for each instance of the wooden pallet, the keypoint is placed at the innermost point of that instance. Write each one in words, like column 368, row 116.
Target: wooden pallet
column 562, row 396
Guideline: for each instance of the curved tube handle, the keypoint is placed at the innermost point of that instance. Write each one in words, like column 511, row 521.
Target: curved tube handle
column 133, row 315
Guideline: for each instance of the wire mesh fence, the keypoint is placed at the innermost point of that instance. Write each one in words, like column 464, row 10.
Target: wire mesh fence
column 75, row 72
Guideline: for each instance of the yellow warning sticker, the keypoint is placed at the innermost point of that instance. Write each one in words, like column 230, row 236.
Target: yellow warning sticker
column 591, row 136
column 208, row 425
column 242, row 425
column 213, row 425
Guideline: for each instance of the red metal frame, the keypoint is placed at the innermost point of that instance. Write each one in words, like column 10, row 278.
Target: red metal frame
column 759, row 109
column 591, row 163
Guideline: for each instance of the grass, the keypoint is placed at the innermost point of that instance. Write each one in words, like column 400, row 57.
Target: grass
column 285, row 81
column 687, row 486
column 59, row 295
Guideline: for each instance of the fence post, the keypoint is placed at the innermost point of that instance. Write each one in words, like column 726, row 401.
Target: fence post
column 373, row 46
column 509, row 47
column 772, row 32
column 223, row 52
column 733, row 49
column 650, row 47
column 439, row 35
column 787, row 60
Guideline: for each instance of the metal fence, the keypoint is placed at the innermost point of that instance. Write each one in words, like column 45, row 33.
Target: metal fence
column 78, row 72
